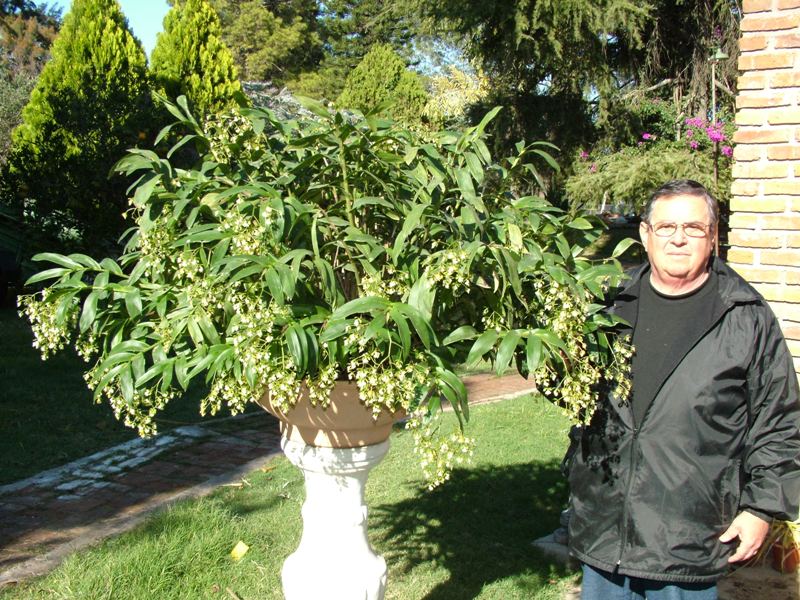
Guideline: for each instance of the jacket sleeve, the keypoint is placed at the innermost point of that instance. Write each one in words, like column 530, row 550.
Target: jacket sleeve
column 772, row 452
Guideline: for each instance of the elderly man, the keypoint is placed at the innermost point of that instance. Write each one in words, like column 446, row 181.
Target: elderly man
column 671, row 487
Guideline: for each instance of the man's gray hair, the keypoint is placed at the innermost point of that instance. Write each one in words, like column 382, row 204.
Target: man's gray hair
column 682, row 187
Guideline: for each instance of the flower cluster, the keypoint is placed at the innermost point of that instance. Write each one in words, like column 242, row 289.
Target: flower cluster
column 388, row 384
column 249, row 232
column 388, row 283
column 140, row 411
column 50, row 332
column 228, row 131
column 575, row 383
column 450, row 269
column 439, row 455
column 154, row 243
column 699, row 133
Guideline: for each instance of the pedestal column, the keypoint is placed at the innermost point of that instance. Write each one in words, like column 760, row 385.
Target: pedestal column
column 334, row 559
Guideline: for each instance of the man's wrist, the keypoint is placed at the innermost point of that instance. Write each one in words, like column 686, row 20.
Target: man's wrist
column 757, row 513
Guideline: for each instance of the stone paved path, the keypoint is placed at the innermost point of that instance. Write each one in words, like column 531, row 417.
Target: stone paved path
column 46, row 517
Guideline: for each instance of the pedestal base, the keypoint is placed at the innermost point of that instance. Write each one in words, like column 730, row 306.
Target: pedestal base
column 334, row 559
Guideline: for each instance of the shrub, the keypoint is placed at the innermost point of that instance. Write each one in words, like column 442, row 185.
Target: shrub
column 90, row 103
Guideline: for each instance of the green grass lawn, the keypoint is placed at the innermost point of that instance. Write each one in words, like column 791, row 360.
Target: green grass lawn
column 469, row 539
column 47, row 417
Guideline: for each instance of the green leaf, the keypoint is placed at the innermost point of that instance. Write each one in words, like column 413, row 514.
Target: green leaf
column 482, row 345
column 622, row 246
column 422, row 295
column 360, row 305
column 475, row 166
column 458, row 398
column 465, row 332
column 533, row 353
column 515, row 237
column 89, row 311
column 580, row 223
column 314, row 106
column 334, row 329
column 58, row 259
column 505, row 353
column 420, row 323
column 48, row 274
column 409, row 223
column 298, row 347
column 133, row 302
column 145, row 189
column 403, row 331
column 151, row 373
column 487, row 118
column 372, row 201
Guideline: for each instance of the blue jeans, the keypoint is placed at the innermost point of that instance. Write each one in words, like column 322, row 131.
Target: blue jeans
column 601, row 585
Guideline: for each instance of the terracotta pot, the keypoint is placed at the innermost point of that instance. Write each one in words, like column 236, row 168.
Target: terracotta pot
column 345, row 423
column 784, row 558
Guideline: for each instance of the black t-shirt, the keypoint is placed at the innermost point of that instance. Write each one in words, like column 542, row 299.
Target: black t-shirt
column 666, row 329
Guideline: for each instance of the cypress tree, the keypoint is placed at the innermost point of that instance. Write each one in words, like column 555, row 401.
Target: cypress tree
column 89, row 105
column 382, row 77
column 191, row 59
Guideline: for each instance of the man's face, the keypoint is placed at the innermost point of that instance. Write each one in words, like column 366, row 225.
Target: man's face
column 679, row 261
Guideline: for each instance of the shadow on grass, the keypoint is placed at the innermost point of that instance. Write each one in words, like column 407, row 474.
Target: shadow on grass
column 479, row 526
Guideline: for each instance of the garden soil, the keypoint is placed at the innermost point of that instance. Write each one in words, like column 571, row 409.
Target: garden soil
column 760, row 583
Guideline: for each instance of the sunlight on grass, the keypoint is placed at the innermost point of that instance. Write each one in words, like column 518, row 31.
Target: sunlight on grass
column 470, row 538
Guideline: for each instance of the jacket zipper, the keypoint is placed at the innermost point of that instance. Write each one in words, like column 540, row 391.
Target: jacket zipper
column 624, row 517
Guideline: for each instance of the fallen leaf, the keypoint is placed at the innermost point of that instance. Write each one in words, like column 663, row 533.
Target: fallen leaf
column 239, row 550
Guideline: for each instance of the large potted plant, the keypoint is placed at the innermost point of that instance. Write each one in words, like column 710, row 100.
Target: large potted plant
column 295, row 254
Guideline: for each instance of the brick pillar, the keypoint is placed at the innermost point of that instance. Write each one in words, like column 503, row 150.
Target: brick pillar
column 765, row 204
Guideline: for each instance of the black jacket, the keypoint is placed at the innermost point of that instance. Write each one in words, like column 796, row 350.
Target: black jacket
column 721, row 436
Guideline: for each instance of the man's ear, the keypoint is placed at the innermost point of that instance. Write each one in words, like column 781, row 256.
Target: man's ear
column 643, row 227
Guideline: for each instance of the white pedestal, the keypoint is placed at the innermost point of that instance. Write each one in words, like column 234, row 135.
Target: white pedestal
column 334, row 560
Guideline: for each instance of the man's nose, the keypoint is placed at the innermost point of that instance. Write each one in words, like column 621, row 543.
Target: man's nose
column 679, row 237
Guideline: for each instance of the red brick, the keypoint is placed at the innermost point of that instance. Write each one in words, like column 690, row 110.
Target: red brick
column 762, row 136
column 752, row 81
column 784, row 79
column 772, row 188
column 784, row 116
column 787, row 41
column 752, row 6
column 750, row 43
column 766, row 60
column 788, row 258
column 783, row 152
column 746, row 153
column 759, row 101
column 754, row 239
column 760, row 171
column 770, row 23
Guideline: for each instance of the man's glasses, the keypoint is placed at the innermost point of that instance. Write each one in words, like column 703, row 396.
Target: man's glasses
column 666, row 229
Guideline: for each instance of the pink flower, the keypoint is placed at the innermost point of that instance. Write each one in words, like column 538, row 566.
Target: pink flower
column 593, row 168
column 693, row 144
column 694, row 122
column 714, row 133
column 689, row 133
column 584, row 155
column 648, row 136
column 727, row 151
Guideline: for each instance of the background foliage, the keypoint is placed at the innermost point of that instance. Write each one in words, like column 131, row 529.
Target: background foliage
column 381, row 79
column 90, row 103
column 190, row 59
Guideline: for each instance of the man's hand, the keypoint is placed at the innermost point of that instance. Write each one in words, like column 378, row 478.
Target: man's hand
column 751, row 531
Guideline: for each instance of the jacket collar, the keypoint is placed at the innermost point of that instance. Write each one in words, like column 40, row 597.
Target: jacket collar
column 731, row 290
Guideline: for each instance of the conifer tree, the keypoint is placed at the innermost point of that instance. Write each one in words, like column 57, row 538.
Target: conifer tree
column 89, row 105
column 190, row 59
column 382, row 77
